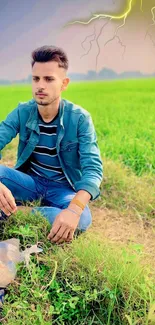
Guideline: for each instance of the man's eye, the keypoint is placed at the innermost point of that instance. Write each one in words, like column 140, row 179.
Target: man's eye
column 47, row 79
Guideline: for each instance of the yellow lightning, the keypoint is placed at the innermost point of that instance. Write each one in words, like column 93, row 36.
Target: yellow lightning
column 96, row 16
column 110, row 17
column 141, row 5
column 153, row 19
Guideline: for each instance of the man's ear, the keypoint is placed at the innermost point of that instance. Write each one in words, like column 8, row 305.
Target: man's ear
column 65, row 83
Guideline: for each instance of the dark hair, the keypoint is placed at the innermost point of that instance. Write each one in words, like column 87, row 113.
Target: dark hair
column 50, row 53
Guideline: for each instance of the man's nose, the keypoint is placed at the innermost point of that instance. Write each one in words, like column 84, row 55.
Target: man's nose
column 41, row 85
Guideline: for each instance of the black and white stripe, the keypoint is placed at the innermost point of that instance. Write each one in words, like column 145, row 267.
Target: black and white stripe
column 48, row 129
column 46, row 151
column 47, row 167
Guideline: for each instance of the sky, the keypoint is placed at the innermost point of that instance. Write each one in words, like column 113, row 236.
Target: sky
column 26, row 25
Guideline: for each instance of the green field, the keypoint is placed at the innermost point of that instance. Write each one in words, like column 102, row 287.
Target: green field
column 123, row 113
column 93, row 281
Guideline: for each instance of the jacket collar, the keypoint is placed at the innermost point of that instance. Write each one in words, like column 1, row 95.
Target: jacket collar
column 33, row 120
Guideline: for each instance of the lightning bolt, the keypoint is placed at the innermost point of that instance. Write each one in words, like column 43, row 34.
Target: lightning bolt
column 98, row 43
column 141, row 5
column 110, row 18
column 123, row 16
column 153, row 24
column 153, row 17
column 96, row 16
column 94, row 35
column 151, row 38
column 116, row 36
column 87, row 37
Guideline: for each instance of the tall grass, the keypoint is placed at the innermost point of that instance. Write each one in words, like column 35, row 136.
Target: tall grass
column 87, row 282
column 123, row 114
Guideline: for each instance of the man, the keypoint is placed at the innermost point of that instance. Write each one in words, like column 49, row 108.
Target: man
column 58, row 157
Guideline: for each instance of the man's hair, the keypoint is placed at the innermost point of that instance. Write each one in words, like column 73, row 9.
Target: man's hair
column 50, row 53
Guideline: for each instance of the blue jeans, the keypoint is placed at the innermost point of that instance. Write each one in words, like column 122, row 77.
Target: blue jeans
column 54, row 196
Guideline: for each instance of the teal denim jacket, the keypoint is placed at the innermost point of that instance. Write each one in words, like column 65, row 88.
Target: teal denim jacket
column 77, row 147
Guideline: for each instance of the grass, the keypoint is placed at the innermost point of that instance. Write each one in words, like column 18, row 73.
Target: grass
column 91, row 281
column 123, row 114
column 86, row 282
column 121, row 189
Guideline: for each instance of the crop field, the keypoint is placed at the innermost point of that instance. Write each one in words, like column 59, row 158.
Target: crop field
column 123, row 113
column 106, row 275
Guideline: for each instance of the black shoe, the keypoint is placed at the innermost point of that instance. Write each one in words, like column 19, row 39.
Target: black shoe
column 3, row 216
column 77, row 233
column 2, row 293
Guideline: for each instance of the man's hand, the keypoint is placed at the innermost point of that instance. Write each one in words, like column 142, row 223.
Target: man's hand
column 7, row 201
column 64, row 227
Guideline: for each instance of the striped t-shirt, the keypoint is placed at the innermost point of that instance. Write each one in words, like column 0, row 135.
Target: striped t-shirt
column 44, row 159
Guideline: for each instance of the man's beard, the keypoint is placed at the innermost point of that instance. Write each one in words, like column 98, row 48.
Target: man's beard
column 42, row 103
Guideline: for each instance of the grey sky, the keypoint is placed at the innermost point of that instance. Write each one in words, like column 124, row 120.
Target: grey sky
column 25, row 25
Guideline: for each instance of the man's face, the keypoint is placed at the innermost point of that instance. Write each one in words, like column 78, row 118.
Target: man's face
column 48, row 80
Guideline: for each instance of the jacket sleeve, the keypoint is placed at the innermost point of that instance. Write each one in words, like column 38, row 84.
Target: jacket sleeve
column 90, row 158
column 9, row 128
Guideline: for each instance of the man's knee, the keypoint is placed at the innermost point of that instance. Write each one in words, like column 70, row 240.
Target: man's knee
column 85, row 219
column 3, row 172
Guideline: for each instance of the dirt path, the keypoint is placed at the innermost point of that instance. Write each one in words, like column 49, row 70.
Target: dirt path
column 123, row 230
